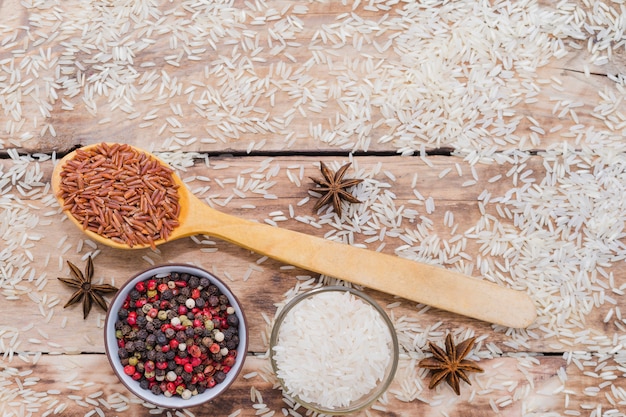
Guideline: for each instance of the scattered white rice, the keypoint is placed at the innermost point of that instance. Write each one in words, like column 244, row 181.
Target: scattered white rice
column 420, row 76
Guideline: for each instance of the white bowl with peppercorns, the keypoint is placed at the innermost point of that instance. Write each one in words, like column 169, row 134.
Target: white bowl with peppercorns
column 176, row 336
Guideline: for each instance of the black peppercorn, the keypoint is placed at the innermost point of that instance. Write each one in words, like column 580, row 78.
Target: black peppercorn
column 219, row 376
column 194, row 282
column 232, row 320
column 213, row 290
column 141, row 321
column 214, row 300
column 150, row 341
column 161, row 339
column 122, row 353
column 160, row 357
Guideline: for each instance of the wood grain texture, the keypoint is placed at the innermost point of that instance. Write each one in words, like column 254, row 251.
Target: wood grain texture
column 249, row 152
column 61, row 239
column 78, row 384
column 173, row 99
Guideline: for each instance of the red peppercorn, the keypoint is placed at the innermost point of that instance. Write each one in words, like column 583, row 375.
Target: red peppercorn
column 171, row 387
column 140, row 286
column 129, row 369
column 180, row 284
column 152, row 284
column 228, row 361
column 148, row 366
column 225, row 369
column 210, row 382
column 194, row 350
column 197, row 323
column 165, row 348
column 195, row 293
column 188, row 367
column 162, row 287
column 174, row 343
column 161, row 365
column 137, row 376
column 196, row 362
column 214, row 348
column 182, row 310
column 132, row 318
column 140, row 303
column 153, row 312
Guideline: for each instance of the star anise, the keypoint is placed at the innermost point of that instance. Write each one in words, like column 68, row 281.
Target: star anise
column 85, row 290
column 333, row 188
column 450, row 365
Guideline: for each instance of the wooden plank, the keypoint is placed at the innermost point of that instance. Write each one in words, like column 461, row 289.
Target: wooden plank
column 81, row 383
column 183, row 102
column 65, row 330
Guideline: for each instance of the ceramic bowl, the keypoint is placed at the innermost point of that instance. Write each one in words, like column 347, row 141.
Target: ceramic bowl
column 111, row 342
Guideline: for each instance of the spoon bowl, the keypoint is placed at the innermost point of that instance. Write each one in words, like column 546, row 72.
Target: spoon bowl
column 419, row 282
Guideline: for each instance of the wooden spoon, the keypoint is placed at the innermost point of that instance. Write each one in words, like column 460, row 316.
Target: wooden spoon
column 423, row 283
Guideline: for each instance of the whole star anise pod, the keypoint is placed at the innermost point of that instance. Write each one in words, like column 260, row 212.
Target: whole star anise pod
column 450, row 365
column 333, row 188
column 85, row 290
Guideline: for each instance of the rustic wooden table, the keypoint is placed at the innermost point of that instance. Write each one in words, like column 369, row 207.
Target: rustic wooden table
column 489, row 138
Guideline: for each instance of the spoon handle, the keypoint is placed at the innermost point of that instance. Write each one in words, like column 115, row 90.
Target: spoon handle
column 423, row 283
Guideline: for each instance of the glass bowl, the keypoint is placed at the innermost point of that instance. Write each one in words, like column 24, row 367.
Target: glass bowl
column 309, row 363
column 175, row 401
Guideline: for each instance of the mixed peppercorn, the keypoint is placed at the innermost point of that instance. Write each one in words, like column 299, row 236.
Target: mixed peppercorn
column 177, row 334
